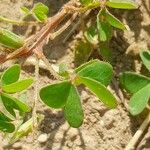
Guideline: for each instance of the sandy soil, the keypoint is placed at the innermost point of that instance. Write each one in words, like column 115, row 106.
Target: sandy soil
column 103, row 129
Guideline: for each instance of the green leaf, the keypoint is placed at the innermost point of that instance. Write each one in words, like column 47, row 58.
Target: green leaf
column 40, row 12
column 122, row 4
column 10, row 40
column 86, row 2
column 73, row 109
column 104, row 28
column 55, row 95
column 139, row 100
column 12, row 103
column 91, row 35
column 17, row 86
column 112, row 20
column 133, row 82
column 25, row 10
column 11, row 75
column 6, row 126
column 100, row 91
column 97, row 70
column 145, row 56
column 3, row 117
column 82, row 52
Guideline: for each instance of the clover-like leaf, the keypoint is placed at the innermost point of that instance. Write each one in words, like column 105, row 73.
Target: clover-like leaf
column 40, row 12
column 139, row 100
column 17, row 86
column 55, row 95
column 122, row 4
column 133, row 82
column 12, row 103
column 100, row 91
column 10, row 40
column 73, row 109
column 11, row 75
column 97, row 70
column 113, row 21
column 6, row 126
column 145, row 56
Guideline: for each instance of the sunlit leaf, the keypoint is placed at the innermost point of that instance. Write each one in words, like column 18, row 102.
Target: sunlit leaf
column 10, row 40
column 25, row 10
column 97, row 70
column 17, row 86
column 139, row 100
column 55, row 95
column 3, row 117
column 100, row 91
column 73, row 109
column 11, row 75
column 112, row 20
column 133, row 82
column 145, row 56
column 40, row 12
column 122, row 4
column 6, row 126
column 86, row 2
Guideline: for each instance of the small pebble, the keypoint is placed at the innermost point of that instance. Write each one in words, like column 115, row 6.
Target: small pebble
column 43, row 138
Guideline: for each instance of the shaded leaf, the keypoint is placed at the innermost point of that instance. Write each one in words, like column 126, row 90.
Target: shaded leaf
column 6, row 126
column 139, row 100
column 12, row 103
column 82, row 52
column 112, row 20
column 55, row 95
column 11, row 75
column 3, row 117
column 122, row 4
column 100, row 91
column 73, row 109
column 10, row 40
column 133, row 82
column 40, row 11
column 104, row 28
column 145, row 56
column 91, row 35
column 97, row 70
column 17, row 86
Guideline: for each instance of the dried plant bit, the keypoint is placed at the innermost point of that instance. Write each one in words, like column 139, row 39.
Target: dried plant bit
column 10, row 40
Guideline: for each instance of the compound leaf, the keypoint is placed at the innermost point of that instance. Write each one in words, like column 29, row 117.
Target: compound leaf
column 73, row 109
column 55, row 95
column 100, row 91
column 11, row 75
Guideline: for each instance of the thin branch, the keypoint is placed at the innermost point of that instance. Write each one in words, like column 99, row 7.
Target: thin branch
column 137, row 135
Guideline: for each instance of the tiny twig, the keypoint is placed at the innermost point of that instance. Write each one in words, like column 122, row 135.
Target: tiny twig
column 139, row 132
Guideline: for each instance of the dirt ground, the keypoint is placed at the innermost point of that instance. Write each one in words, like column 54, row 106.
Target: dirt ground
column 103, row 129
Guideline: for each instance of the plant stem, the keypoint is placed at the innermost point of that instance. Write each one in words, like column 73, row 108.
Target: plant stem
column 15, row 22
column 36, row 90
column 138, row 134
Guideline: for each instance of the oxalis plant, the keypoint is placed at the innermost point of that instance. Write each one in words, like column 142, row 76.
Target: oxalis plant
column 10, row 85
column 139, row 87
column 95, row 75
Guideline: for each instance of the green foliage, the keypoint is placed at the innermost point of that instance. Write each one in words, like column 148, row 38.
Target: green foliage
column 9, row 84
column 95, row 75
column 10, row 39
column 138, row 85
